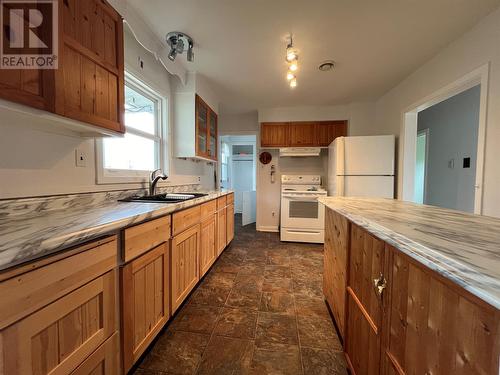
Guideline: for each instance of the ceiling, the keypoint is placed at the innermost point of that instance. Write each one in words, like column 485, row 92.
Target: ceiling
column 240, row 44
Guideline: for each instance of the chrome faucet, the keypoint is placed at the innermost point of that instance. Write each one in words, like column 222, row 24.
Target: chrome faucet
column 153, row 180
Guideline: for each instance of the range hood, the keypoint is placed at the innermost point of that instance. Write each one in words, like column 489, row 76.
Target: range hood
column 300, row 151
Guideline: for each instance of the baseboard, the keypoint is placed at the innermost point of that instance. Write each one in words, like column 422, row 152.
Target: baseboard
column 271, row 228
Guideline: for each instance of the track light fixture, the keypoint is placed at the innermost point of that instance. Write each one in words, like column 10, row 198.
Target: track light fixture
column 292, row 58
column 177, row 40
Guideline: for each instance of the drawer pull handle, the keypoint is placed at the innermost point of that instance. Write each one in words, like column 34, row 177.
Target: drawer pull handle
column 380, row 284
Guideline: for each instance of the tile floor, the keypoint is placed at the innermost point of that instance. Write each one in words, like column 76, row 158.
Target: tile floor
column 259, row 310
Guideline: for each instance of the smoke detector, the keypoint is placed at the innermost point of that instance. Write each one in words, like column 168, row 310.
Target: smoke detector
column 327, row 65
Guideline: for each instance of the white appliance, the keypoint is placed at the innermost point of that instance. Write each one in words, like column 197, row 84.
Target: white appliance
column 362, row 166
column 302, row 216
column 300, row 151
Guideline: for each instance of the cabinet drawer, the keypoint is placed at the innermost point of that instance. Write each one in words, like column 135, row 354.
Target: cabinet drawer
column 230, row 198
column 208, row 209
column 143, row 237
column 30, row 291
column 59, row 337
column 104, row 361
column 185, row 219
column 221, row 202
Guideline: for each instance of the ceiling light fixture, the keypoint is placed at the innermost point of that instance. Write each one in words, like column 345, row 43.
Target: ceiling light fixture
column 177, row 40
column 292, row 58
column 327, row 65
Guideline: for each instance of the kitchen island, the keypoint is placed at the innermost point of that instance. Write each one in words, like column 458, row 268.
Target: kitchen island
column 413, row 288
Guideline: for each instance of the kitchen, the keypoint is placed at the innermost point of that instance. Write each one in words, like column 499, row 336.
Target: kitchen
column 109, row 268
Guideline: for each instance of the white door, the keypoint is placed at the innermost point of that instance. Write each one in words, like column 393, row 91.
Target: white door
column 368, row 186
column 364, row 156
column 248, row 214
column 242, row 175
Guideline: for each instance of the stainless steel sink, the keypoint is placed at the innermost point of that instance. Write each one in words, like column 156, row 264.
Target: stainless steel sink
column 164, row 198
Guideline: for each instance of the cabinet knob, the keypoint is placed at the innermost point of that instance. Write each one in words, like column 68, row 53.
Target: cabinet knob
column 380, row 284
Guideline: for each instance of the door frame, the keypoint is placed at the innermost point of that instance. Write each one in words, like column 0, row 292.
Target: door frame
column 479, row 76
column 427, row 133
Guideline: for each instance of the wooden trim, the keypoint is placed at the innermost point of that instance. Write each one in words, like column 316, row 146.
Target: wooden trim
column 349, row 364
column 395, row 363
column 108, row 353
column 84, row 51
column 362, row 309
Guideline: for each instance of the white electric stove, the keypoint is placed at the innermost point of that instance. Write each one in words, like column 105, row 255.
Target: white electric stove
column 302, row 216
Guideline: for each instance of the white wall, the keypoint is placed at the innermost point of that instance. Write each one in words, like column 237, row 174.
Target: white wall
column 475, row 48
column 39, row 163
column 246, row 123
column 453, row 131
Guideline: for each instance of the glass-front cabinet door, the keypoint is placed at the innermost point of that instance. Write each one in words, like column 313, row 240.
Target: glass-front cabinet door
column 201, row 127
column 212, row 136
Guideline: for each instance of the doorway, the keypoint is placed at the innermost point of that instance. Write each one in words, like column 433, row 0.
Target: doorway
column 238, row 173
column 443, row 145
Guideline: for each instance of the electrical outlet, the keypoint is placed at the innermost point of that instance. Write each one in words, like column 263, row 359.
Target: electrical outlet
column 273, row 213
column 80, row 158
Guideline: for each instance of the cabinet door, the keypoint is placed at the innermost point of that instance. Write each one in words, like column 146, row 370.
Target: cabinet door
column 221, row 230
column 335, row 266
column 208, row 251
column 327, row 131
column 274, row 134
column 302, row 134
column 31, row 87
column 201, row 114
column 145, row 301
column 364, row 320
column 58, row 337
column 104, row 361
column 185, row 267
column 229, row 223
column 89, row 83
column 212, row 136
column 434, row 327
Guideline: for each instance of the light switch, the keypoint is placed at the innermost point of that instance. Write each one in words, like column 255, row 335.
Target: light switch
column 80, row 158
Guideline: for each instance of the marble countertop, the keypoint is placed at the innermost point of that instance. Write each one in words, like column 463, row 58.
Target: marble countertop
column 462, row 247
column 25, row 238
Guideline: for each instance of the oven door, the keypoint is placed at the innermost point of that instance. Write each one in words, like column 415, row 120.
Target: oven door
column 302, row 211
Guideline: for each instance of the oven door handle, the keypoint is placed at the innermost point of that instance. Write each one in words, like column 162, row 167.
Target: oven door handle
column 300, row 198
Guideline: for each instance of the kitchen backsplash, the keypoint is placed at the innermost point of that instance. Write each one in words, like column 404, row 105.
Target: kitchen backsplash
column 40, row 205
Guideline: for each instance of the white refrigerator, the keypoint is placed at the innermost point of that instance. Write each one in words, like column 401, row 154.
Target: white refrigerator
column 362, row 166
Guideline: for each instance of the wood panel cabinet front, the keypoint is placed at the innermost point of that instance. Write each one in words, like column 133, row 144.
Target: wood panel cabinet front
column 363, row 332
column 143, row 237
column 327, row 131
column 185, row 219
column 274, row 134
column 221, row 230
column 433, row 327
column 185, row 266
column 208, row 249
column 335, row 266
column 205, row 130
column 302, row 134
column 145, row 301
column 229, row 223
column 59, row 337
column 89, row 83
column 104, row 361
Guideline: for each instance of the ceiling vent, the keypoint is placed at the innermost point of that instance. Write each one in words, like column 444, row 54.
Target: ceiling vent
column 327, row 65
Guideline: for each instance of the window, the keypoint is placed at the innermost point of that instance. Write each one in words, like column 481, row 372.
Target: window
column 131, row 158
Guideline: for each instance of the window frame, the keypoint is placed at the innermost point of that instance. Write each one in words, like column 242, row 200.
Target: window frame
column 160, row 139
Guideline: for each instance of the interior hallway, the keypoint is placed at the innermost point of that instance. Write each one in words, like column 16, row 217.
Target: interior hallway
column 259, row 310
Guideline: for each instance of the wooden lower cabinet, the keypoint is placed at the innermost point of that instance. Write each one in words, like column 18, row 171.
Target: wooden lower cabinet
column 229, row 223
column 104, row 361
column 433, row 327
column 208, row 250
column 221, row 230
column 185, row 265
column 145, row 301
column 59, row 337
column 365, row 309
column 335, row 266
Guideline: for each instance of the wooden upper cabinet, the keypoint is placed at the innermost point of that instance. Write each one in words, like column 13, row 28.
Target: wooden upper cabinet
column 327, row 131
column 89, row 83
column 435, row 327
column 302, row 134
column 274, row 134
column 205, row 130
